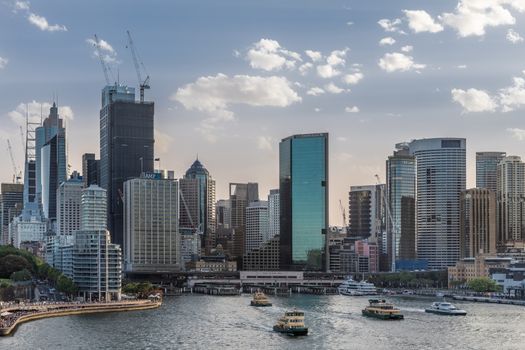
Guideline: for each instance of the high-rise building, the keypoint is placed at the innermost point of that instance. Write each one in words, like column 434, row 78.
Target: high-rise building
column 240, row 196
column 365, row 212
column 151, row 226
column 303, row 190
column 256, row 225
column 51, row 161
column 487, row 169
column 90, row 169
column 198, row 188
column 478, row 223
column 11, row 201
column 440, row 179
column 93, row 209
column 511, row 200
column 274, row 215
column 264, row 258
column 126, row 148
column 400, row 183
column 69, row 199
column 223, row 213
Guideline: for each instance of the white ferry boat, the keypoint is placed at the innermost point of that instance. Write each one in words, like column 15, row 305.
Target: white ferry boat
column 351, row 287
column 442, row 308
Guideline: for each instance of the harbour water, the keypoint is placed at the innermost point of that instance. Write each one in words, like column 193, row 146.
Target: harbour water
column 335, row 322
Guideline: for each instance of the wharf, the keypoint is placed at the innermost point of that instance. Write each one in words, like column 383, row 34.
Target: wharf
column 490, row 300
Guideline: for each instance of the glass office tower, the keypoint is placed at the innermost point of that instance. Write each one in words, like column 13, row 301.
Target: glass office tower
column 303, row 188
column 487, row 169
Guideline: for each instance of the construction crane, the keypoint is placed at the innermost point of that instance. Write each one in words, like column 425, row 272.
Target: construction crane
column 343, row 212
column 17, row 175
column 393, row 223
column 23, row 139
column 105, row 68
column 143, row 84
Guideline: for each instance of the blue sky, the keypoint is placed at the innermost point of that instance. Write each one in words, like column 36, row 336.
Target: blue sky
column 231, row 78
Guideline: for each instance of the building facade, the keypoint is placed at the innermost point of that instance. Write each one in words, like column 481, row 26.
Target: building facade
column 303, row 190
column 256, row 225
column 241, row 195
column 511, row 200
column 274, row 223
column 478, row 223
column 487, row 169
column 126, row 148
column 69, row 200
column 93, row 206
column 151, row 226
column 11, row 201
column 90, row 169
column 263, row 258
column 440, row 179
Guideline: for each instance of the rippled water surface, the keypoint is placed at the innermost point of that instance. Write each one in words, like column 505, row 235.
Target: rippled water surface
column 335, row 322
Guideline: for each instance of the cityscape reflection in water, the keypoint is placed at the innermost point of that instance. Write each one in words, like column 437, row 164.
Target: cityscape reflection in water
column 335, row 322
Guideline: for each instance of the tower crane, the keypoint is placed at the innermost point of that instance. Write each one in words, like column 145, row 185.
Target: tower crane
column 23, row 138
column 105, row 68
column 343, row 212
column 143, row 84
column 17, row 175
column 394, row 224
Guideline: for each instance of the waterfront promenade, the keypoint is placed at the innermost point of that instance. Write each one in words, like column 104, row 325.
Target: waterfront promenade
column 11, row 315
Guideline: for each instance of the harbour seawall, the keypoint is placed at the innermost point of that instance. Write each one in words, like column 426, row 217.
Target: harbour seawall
column 80, row 309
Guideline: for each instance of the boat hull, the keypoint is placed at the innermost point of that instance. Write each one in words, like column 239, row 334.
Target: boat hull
column 252, row 303
column 382, row 316
column 447, row 313
column 291, row 331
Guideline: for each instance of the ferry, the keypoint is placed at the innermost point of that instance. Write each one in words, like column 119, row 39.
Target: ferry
column 351, row 287
column 260, row 299
column 442, row 308
column 382, row 310
column 292, row 323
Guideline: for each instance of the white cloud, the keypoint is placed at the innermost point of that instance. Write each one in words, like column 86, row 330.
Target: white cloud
column 327, row 71
column 517, row 133
column 390, row 25
column 3, row 62
column 162, row 141
column 387, row 41
column 21, row 5
column 317, row 109
column 407, row 48
column 513, row 96
column 109, row 55
column 349, row 23
column 103, row 45
column 474, row 100
column 216, row 94
column 334, row 61
column 420, row 21
column 353, row 78
column 462, row 66
column 343, row 157
column 333, row 89
column 267, row 54
column 341, row 139
column 265, row 143
column 472, row 17
column 353, row 109
column 35, row 110
column 397, row 61
column 42, row 24
column 304, row 68
column 315, row 56
column 513, row 36
column 315, row 91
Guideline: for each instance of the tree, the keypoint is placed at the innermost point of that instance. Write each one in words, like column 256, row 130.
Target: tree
column 66, row 285
column 22, row 275
column 12, row 263
column 483, row 285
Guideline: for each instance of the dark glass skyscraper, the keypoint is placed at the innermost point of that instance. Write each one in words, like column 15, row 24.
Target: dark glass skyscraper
column 90, row 169
column 487, row 169
column 303, row 188
column 126, row 147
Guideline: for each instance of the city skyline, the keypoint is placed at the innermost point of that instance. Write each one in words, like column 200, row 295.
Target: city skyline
column 179, row 64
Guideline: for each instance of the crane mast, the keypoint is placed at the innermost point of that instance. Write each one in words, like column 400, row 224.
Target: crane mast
column 143, row 84
column 17, row 175
column 105, row 68
column 394, row 224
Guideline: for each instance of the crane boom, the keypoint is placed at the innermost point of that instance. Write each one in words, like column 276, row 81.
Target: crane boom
column 143, row 84
column 16, row 174
column 101, row 58
column 343, row 212
column 394, row 224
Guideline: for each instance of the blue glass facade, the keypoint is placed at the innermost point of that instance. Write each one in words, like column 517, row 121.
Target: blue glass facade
column 303, row 182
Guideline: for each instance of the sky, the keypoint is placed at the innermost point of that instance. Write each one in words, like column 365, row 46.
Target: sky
column 231, row 78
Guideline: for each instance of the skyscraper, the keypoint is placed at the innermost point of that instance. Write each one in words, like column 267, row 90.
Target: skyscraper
column 511, row 199
column 51, row 161
column 487, row 169
column 303, row 190
column 151, row 226
column 400, row 183
column 274, row 214
column 126, row 147
column 440, row 179
column 256, row 225
column 90, row 169
column 93, row 206
column 365, row 212
column 240, row 196
column 198, row 188
column 478, row 222
column 69, row 199
column 11, row 200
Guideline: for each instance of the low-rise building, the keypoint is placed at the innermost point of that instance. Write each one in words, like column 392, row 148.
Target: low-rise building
column 470, row 268
column 264, row 258
column 511, row 279
column 212, row 264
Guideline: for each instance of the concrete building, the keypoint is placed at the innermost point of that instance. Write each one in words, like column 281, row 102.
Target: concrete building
column 511, row 200
column 264, row 258
column 93, row 206
column 11, row 201
column 151, row 226
column 190, row 246
column 303, row 190
column 69, row 200
column 256, row 225
column 511, row 279
column 212, row 264
column 478, row 223
column 126, row 148
column 366, row 214
column 223, row 214
column 440, row 179
column 487, row 169
column 400, row 194
column 90, row 169
column 241, row 195
column 470, row 268
column 274, row 215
